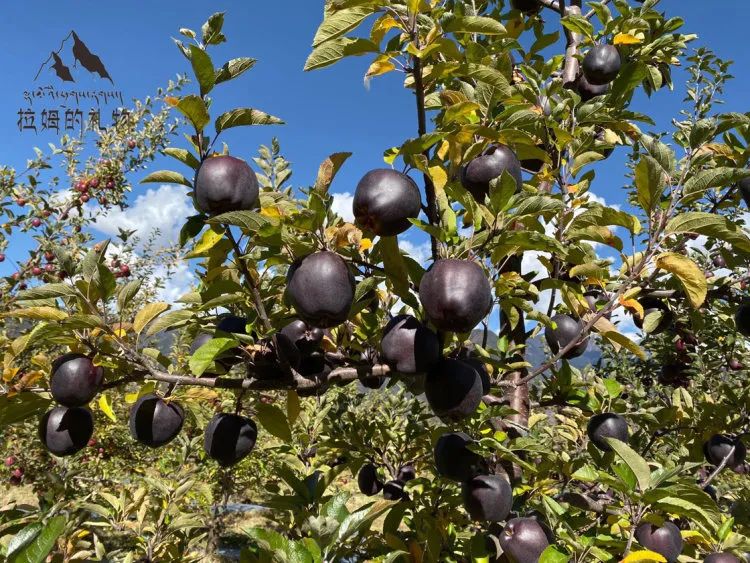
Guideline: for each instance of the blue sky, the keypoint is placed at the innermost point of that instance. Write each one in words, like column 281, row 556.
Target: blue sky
column 326, row 111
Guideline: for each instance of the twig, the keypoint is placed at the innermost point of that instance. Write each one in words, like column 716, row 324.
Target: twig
column 718, row 469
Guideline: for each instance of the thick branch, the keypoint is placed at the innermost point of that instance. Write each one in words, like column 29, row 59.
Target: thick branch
column 570, row 69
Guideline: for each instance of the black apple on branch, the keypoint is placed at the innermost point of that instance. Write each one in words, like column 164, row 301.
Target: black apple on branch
column 742, row 319
column 229, row 438
column 567, row 330
column 75, row 380
column 723, row 557
column 665, row 540
column 652, row 305
column 223, row 184
column 487, row 498
column 607, row 425
column 454, row 460
column 408, row 346
column 719, row 446
column 523, row 540
column 306, row 338
column 385, row 200
column 526, row 6
column 321, row 289
column 477, row 175
column 154, row 421
column 456, row 294
column 65, row 431
column 368, row 481
column 453, row 389
column 589, row 91
column 601, row 65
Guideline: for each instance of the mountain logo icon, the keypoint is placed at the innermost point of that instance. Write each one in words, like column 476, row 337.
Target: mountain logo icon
column 81, row 55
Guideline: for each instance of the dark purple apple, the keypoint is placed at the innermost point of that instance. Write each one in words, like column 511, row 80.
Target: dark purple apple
column 408, row 346
column 225, row 183
column 75, row 380
column 478, row 173
column 601, row 64
column 385, row 200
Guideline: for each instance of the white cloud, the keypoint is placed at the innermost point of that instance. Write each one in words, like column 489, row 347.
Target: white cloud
column 181, row 281
column 422, row 253
column 165, row 208
column 342, row 205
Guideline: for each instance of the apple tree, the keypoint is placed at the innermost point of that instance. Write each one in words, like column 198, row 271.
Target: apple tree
column 474, row 452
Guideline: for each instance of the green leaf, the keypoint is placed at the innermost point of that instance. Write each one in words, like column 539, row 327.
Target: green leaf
column 206, row 354
column 48, row 291
column 168, row 177
column 395, row 267
column 148, row 314
column 38, row 313
column 340, row 22
column 39, row 548
column 169, row 320
column 249, row 221
column 191, row 228
column 127, row 292
column 660, row 152
column 538, row 205
column 328, row 170
column 23, row 538
column 711, row 178
column 649, row 183
column 183, row 155
column 333, row 51
column 211, row 30
column 21, row 407
column 203, row 69
column 600, row 216
column 690, row 275
column 578, row 24
column 194, row 108
column 635, row 462
column 474, row 24
column 552, row 555
column 244, row 116
column 273, row 419
column 234, row 68
column 622, row 340
column 710, row 225
column 488, row 75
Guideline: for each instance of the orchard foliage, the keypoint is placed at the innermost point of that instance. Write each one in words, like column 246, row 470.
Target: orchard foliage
column 243, row 381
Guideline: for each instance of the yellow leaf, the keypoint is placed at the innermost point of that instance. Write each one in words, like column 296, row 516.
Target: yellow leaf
column 690, row 275
column 209, row 239
column 148, row 314
column 625, row 342
column 633, row 305
column 365, row 244
column 172, row 101
column 626, row 39
column 106, row 407
column 439, row 176
column 39, row 313
column 644, row 556
column 381, row 65
column 271, row 211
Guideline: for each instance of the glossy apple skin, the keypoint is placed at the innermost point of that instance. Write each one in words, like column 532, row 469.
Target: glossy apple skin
column 601, row 64
column 367, row 480
column 453, row 459
column 306, row 338
column 154, row 421
column 718, row 446
column 487, row 498
column 567, row 330
column 394, row 490
column 408, row 346
column 321, row 289
column 453, row 389
column 65, row 431
column 523, row 540
column 607, row 425
column 481, row 370
column 744, row 187
column 225, row 183
column 229, row 438
column 742, row 319
column 456, row 294
column 651, row 305
column 721, row 558
column 479, row 172
column 665, row 540
column 75, row 380
column 589, row 91
column 385, row 200
column 406, row 473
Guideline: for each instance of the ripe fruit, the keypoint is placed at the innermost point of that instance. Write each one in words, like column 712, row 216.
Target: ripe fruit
column 17, row 473
column 652, row 305
column 601, row 64
column 744, row 187
column 394, row 490
column 567, row 330
column 408, row 346
column 742, row 319
column 666, row 540
column 2, row 257
column 406, row 473
column 131, row 144
column 10, row 460
column 65, row 431
column 321, row 289
column 455, row 294
column 496, row 159
column 20, row 201
column 719, row 261
column 523, row 540
column 735, row 365
column 154, row 421
column 75, row 380
column 124, row 270
column 724, row 557
column 367, row 480
column 589, row 91
column 453, row 459
column 487, row 498
column 526, row 6
column 675, row 374
column 597, row 300
column 453, row 389
column 36, row 222
column 229, row 438
column 481, row 369
column 718, row 447
column 93, row 183
column 385, row 200
column 306, row 338
column 36, row 271
column 607, row 425
column 225, row 183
